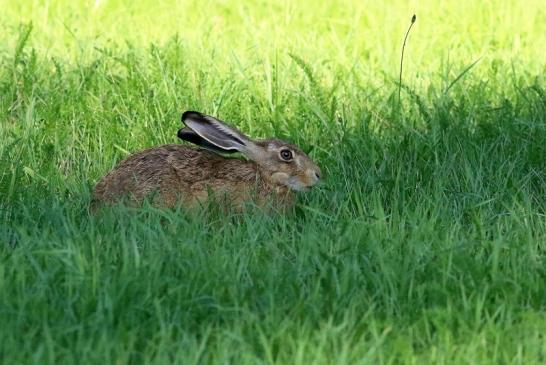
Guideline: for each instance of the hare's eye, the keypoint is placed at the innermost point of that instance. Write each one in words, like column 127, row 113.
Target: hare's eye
column 286, row 155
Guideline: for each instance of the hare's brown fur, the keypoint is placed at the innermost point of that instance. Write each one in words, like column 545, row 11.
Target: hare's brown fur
column 176, row 173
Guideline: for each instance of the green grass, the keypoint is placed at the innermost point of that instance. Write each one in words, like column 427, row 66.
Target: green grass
column 425, row 244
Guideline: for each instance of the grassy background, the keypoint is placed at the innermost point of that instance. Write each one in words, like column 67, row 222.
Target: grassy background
column 426, row 242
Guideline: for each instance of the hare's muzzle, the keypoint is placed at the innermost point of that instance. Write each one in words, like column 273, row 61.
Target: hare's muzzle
column 312, row 177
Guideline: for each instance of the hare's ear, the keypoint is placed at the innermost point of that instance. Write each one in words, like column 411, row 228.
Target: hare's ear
column 216, row 133
column 186, row 134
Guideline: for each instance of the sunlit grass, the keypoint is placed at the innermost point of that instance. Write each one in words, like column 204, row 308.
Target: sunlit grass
column 425, row 244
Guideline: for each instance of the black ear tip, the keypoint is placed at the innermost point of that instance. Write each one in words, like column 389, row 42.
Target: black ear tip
column 187, row 134
column 191, row 114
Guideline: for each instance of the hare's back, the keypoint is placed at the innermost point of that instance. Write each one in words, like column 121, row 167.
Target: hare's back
column 152, row 169
column 171, row 170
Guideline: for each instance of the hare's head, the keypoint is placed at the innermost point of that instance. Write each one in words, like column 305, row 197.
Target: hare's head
column 280, row 162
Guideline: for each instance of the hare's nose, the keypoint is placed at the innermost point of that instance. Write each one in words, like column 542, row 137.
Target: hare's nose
column 313, row 176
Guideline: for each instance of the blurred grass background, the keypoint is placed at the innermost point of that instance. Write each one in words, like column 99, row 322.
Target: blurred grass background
column 426, row 242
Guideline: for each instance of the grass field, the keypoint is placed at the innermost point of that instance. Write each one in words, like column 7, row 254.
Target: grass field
column 426, row 243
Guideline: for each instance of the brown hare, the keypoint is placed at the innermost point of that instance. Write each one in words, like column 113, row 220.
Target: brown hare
column 271, row 172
